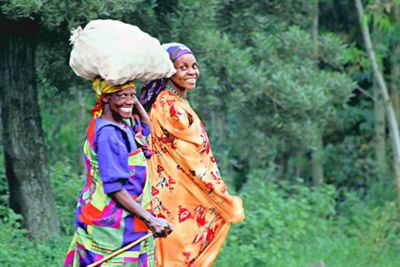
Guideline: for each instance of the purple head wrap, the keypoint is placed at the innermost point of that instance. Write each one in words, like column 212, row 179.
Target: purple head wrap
column 151, row 89
column 176, row 50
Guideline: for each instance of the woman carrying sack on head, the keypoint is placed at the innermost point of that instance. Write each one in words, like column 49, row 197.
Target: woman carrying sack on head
column 114, row 207
column 187, row 188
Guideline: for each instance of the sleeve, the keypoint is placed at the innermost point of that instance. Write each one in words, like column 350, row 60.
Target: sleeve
column 186, row 137
column 134, row 126
column 145, row 130
column 188, row 145
column 112, row 156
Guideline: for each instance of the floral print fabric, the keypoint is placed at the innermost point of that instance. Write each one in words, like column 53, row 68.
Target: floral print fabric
column 187, row 188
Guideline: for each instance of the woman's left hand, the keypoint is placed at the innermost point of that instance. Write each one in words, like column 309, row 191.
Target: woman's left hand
column 159, row 226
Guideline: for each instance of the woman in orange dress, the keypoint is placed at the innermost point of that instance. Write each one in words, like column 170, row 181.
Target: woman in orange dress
column 187, row 188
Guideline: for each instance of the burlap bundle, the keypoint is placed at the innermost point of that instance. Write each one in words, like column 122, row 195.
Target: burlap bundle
column 117, row 52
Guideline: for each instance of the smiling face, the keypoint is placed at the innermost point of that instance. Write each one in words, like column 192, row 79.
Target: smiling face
column 120, row 103
column 187, row 72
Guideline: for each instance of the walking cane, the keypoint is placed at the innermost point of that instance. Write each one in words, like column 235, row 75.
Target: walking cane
column 119, row 251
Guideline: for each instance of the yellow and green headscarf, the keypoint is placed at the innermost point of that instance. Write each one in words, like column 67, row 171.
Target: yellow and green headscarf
column 101, row 87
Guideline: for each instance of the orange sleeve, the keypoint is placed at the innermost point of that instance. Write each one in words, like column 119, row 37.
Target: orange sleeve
column 185, row 136
column 187, row 143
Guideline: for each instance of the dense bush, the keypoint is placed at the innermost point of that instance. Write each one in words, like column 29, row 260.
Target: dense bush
column 289, row 224
column 66, row 187
column 17, row 250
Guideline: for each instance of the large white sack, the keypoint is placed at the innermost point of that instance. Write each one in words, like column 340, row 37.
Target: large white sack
column 118, row 52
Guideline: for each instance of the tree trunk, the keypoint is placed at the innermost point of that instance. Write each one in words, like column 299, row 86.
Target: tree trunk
column 379, row 120
column 394, row 85
column 394, row 130
column 318, row 146
column 24, row 150
column 315, row 28
column 380, row 133
column 395, row 67
column 317, row 160
column 299, row 164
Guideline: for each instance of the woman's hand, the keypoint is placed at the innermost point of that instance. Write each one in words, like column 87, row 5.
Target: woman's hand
column 159, row 227
column 135, row 101
column 144, row 117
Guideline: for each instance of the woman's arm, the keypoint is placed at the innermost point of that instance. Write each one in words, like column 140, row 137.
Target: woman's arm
column 144, row 118
column 113, row 167
column 159, row 226
column 184, row 140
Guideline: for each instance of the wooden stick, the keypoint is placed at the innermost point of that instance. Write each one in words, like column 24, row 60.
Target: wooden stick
column 117, row 252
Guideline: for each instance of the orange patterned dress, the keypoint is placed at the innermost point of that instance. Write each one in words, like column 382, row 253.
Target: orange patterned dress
column 187, row 188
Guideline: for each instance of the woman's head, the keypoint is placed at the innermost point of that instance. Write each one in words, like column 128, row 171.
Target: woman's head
column 119, row 104
column 185, row 63
column 115, row 101
column 185, row 78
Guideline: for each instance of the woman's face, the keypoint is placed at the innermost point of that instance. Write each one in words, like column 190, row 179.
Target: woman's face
column 187, row 72
column 121, row 103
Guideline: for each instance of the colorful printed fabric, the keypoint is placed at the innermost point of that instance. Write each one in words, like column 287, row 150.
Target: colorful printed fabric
column 102, row 226
column 101, row 87
column 187, row 188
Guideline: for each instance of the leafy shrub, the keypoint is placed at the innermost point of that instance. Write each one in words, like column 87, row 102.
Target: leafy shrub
column 278, row 216
column 290, row 224
column 66, row 188
column 17, row 250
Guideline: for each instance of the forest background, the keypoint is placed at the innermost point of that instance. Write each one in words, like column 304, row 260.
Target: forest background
column 296, row 118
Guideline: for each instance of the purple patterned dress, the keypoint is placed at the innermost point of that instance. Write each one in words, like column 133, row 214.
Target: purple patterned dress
column 114, row 162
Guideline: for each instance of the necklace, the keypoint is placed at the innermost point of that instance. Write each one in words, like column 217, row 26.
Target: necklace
column 175, row 92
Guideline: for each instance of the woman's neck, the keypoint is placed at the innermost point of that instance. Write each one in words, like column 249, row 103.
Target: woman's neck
column 179, row 89
column 111, row 116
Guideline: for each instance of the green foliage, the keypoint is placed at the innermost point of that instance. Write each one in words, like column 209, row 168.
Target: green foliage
column 55, row 14
column 65, row 117
column 289, row 224
column 17, row 250
column 329, row 45
column 67, row 186
column 288, row 99
column 378, row 13
column 380, row 222
column 278, row 216
column 16, row 9
column 355, row 156
column 243, row 18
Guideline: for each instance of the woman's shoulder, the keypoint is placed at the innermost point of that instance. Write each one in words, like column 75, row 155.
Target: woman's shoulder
column 103, row 123
column 166, row 96
column 172, row 111
column 109, row 129
column 168, row 101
